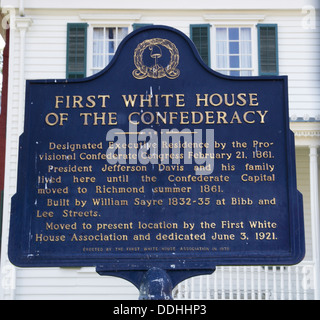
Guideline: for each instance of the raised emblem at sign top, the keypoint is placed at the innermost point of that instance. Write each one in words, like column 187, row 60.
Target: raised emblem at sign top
column 156, row 46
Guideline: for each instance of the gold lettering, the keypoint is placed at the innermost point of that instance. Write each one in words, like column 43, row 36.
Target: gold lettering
column 102, row 118
column 262, row 115
column 235, row 117
column 92, row 100
column 220, row 100
column 245, row 117
column 103, row 97
column 148, row 99
column 68, row 102
column 77, row 102
column 130, row 100
column 209, row 116
column 205, row 99
column 130, row 118
column 241, row 97
column 180, row 100
column 253, row 98
column 52, row 119
column 222, row 116
column 58, row 101
column 112, row 119
column 184, row 116
column 229, row 104
column 85, row 115
column 194, row 113
column 167, row 96
column 173, row 116
column 147, row 114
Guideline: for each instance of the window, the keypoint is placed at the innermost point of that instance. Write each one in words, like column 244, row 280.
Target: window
column 105, row 43
column 268, row 49
column 234, row 51
column 76, row 50
column 200, row 35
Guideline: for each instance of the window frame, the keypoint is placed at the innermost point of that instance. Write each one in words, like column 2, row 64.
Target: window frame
column 254, row 42
column 90, row 69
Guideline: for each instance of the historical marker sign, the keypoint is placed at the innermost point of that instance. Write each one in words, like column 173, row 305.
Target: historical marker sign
column 157, row 161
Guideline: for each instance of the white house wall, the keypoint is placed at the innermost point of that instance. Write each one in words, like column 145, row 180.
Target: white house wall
column 299, row 46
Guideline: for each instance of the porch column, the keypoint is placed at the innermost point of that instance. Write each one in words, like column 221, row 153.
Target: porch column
column 314, row 203
column 22, row 24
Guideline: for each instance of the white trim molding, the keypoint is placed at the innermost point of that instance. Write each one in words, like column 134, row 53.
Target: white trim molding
column 314, row 206
column 237, row 19
column 110, row 18
column 306, row 133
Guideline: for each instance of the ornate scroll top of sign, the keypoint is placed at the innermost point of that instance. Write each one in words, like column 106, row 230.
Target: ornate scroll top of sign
column 156, row 46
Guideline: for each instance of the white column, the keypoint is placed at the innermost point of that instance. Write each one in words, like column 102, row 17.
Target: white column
column 18, row 29
column 314, row 202
column 22, row 25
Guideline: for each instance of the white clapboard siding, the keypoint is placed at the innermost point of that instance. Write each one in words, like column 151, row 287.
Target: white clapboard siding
column 299, row 48
column 71, row 283
column 299, row 59
column 46, row 47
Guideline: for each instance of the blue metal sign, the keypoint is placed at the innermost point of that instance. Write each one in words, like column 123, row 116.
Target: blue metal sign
column 156, row 162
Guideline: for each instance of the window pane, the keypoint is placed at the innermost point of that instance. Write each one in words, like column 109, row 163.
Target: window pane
column 222, row 61
column 233, row 33
column 234, row 51
column 110, row 33
column 234, row 48
column 98, row 43
column 122, row 32
column 245, row 34
column 98, row 47
column 234, row 62
column 222, row 34
column 105, row 43
column 225, row 72
column 222, row 47
column 98, row 34
column 98, row 61
column 234, row 73
column 246, row 47
column 246, row 61
column 246, row 73
column 110, row 47
column 108, row 59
